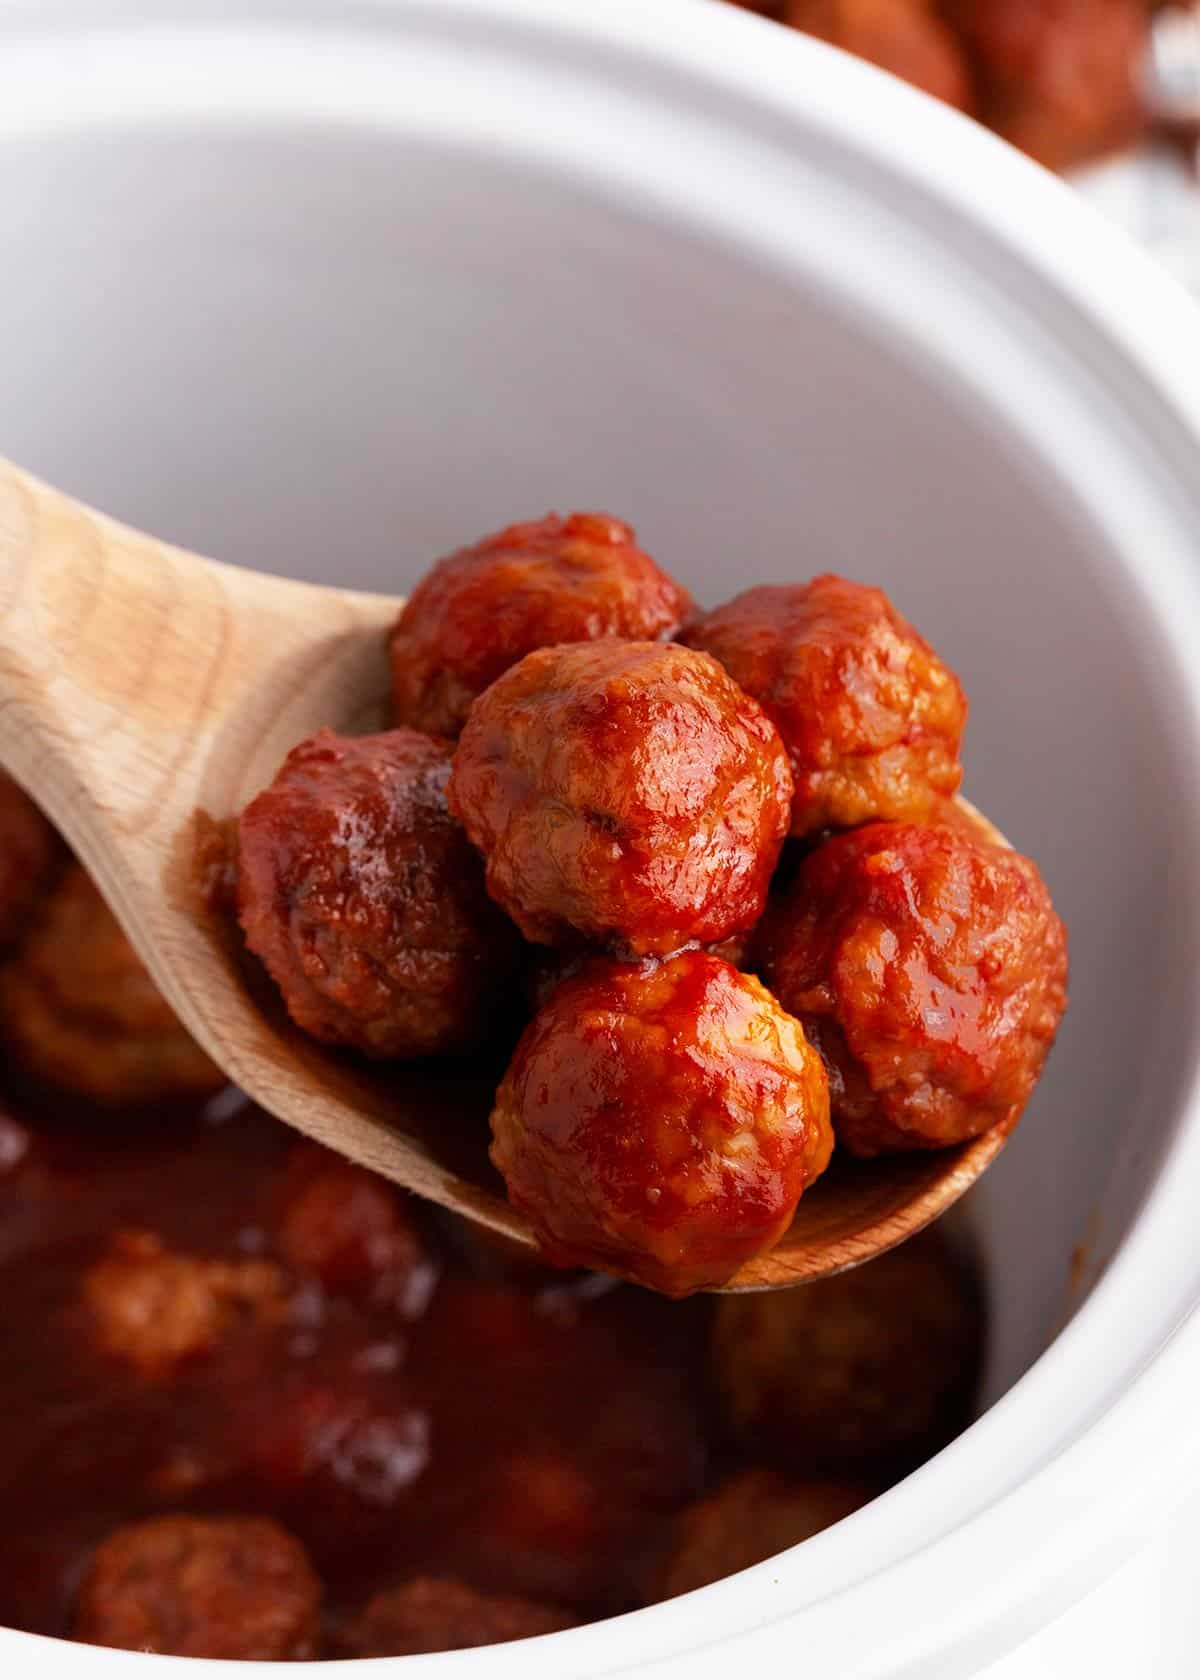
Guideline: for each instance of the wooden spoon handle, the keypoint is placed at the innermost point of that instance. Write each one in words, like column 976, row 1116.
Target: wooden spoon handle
column 120, row 656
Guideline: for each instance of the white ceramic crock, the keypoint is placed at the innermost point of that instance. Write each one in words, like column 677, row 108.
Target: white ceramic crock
column 329, row 286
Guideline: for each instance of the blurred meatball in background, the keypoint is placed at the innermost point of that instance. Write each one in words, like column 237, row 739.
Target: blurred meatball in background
column 1061, row 79
column 875, row 1369
column 906, row 37
column 431, row 1614
column 235, row 1588
column 80, row 1013
column 30, row 853
column 156, row 1309
column 754, row 1515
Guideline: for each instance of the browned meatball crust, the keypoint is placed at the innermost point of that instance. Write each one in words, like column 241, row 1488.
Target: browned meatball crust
column 871, row 718
column 30, row 852
column 238, row 1588
column 80, row 1012
column 362, row 896
column 752, row 1516
column 628, row 792
column 931, row 970
column 155, row 1308
column 661, row 1121
column 906, row 37
column 433, row 1614
column 481, row 610
column 877, row 1366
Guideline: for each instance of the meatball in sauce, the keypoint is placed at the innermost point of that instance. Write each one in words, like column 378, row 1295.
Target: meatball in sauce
column 661, row 1120
column 624, row 793
column 79, row 1011
column 360, row 893
column 871, row 718
column 476, row 613
column 930, row 968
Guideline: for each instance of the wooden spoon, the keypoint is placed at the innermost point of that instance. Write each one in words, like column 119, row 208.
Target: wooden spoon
column 141, row 685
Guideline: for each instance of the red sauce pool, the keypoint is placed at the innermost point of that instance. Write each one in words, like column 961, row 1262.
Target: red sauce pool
column 529, row 1432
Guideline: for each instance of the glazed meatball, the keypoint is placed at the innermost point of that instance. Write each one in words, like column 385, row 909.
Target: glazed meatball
column 906, row 37
column 481, row 610
column 931, row 970
column 1059, row 78
column 349, row 1228
column 80, row 1012
column 361, row 895
column 29, row 854
column 661, row 1120
column 753, row 1516
column 342, row 1451
column 428, row 1614
column 875, row 1367
column 156, row 1309
column 238, row 1588
column 871, row 718
column 626, row 792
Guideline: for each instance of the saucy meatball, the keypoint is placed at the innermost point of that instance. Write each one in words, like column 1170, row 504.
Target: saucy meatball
column 156, row 1309
column 29, row 852
column 1061, row 79
column 349, row 1228
column 362, row 896
column 906, row 37
column 877, row 1366
column 431, row 1614
column 931, row 970
column 661, row 1121
column 341, row 1449
column 481, row 610
column 238, row 1588
column 628, row 792
column 80, row 1012
column 753, row 1516
column 871, row 718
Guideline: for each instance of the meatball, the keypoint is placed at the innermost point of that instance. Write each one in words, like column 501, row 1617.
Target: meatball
column 1061, row 79
column 238, row 1588
column 349, row 1228
column 344, row 1452
column 628, row 792
column 871, row 718
column 877, row 1366
column 428, row 1614
column 931, row 970
column 156, row 1309
column 481, row 610
column 906, row 37
column 80, row 1012
column 361, row 895
column 29, row 853
column 661, row 1121
column 753, row 1516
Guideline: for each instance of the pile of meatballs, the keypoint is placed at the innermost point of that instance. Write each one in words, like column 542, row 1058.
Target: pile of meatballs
column 716, row 852
column 236, row 1418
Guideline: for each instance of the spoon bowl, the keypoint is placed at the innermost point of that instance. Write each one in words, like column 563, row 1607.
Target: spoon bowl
column 143, row 689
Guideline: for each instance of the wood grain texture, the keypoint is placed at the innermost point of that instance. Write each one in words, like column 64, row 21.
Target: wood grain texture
column 140, row 685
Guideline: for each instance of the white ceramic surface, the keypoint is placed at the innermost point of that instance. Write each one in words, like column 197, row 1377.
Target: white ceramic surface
column 328, row 286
